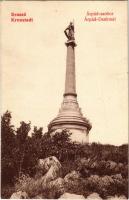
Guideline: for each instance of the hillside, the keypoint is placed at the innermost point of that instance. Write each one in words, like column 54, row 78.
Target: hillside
column 85, row 168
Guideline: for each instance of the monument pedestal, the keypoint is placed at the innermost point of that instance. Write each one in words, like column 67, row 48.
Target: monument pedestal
column 71, row 118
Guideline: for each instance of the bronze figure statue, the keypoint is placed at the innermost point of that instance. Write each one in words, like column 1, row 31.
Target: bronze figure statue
column 69, row 31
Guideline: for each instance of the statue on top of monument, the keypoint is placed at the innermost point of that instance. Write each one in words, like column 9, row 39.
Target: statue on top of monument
column 69, row 31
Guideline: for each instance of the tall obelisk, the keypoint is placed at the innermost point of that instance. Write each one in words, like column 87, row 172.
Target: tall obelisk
column 70, row 116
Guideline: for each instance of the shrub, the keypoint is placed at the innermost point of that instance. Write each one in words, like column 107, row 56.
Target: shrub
column 29, row 185
column 7, row 191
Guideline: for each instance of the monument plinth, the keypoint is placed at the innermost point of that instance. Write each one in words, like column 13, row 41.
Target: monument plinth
column 70, row 116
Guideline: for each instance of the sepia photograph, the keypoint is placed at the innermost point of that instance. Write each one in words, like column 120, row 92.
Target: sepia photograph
column 64, row 100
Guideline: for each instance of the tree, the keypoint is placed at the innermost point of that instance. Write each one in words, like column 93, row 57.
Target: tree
column 8, row 143
column 37, row 133
column 22, row 133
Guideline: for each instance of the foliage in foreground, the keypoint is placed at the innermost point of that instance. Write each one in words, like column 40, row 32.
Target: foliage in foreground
column 20, row 153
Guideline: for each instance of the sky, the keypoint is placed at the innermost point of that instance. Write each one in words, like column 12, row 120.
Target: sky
column 33, row 61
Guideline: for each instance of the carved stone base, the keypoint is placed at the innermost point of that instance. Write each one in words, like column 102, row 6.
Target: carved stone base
column 70, row 117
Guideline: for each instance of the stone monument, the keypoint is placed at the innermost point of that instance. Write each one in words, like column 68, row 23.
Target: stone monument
column 70, row 116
